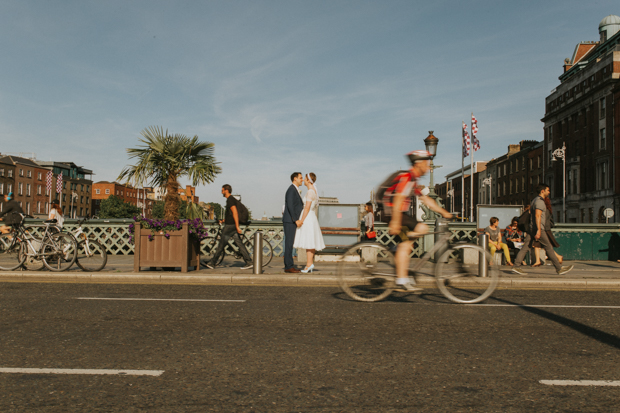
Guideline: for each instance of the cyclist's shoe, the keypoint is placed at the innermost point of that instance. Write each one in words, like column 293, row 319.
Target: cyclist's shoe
column 408, row 287
column 517, row 270
column 247, row 266
column 566, row 269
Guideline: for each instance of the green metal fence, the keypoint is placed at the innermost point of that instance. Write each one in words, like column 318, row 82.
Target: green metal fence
column 577, row 241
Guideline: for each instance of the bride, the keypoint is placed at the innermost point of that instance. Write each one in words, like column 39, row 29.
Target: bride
column 309, row 235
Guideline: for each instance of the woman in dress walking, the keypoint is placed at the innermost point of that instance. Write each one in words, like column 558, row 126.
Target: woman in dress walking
column 308, row 235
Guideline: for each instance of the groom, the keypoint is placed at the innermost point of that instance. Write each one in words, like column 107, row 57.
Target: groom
column 293, row 205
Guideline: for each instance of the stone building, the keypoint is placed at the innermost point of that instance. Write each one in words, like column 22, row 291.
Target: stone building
column 76, row 188
column 581, row 116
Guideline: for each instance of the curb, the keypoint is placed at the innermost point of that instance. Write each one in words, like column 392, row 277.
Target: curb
column 286, row 280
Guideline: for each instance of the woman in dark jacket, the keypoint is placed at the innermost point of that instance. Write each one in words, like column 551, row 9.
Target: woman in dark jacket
column 10, row 209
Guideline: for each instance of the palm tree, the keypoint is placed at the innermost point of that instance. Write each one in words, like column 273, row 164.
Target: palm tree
column 165, row 158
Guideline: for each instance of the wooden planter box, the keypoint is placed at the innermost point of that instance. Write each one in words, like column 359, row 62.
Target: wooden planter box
column 180, row 250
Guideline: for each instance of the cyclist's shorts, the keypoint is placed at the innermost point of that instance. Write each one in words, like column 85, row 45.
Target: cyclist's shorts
column 408, row 222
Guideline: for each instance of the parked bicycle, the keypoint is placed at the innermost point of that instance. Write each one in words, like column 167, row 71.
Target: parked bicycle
column 57, row 251
column 457, row 273
column 91, row 255
column 231, row 249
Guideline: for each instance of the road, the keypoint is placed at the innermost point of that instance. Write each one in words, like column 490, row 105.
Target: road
column 302, row 349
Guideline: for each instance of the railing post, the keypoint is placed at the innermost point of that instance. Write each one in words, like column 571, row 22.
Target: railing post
column 483, row 242
column 258, row 252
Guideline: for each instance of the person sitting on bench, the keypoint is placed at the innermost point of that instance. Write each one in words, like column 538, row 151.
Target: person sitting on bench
column 495, row 239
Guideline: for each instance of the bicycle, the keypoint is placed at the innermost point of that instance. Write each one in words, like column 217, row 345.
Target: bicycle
column 232, row 249
column 456, row 270
column 57, row 251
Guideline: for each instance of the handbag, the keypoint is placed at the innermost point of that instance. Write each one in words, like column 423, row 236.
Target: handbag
column 371, row 234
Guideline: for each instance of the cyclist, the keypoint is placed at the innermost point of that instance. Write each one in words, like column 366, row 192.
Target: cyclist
column 396, row 203
column 11, row 213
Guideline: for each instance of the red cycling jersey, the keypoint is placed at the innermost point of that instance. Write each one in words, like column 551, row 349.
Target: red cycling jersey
column 406, row 184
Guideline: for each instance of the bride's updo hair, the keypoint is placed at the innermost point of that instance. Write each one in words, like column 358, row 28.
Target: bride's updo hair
column 312, row 176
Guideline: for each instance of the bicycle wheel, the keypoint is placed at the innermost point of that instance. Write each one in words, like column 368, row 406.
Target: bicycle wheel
column 91, row 258
column 59, row 252
column 267, row 250
column 31, row 262
column 10, row 252
column 366, row 272
column 209, row 250
column 458, row 275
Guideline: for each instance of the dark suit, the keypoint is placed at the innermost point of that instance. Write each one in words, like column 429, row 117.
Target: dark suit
column 293, row 206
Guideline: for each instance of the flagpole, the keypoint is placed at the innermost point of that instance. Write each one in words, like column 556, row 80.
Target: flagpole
column 462, row 174
column 471, row 176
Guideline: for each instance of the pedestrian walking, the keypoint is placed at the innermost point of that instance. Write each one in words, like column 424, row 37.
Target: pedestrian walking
column 537, row 232
column 554, row 242
column 231, row 230
column 56, row 213
column 293, row 206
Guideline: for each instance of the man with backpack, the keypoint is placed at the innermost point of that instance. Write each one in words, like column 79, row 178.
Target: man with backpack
column 236, row 213
column 539, row 224
column 394, row 197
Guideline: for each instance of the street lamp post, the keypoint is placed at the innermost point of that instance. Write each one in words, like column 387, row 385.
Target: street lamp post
column 488, row 181
column 431, row 146
column 560, row 153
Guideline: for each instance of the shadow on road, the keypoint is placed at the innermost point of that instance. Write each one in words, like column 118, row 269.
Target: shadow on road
column 594, row 333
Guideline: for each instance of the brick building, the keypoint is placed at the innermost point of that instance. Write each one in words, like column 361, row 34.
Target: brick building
column 75, row 196
column 7, row 179
column 581, row 115
column 135, row 196
column 23, row 182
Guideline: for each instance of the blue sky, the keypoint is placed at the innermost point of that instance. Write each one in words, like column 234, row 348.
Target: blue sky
column 340, row 88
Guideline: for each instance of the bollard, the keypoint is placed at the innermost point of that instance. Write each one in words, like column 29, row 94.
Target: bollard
column 441, row 227
column 258, row 252
column 483, row 242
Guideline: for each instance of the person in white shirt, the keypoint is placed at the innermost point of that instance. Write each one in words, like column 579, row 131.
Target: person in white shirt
column 56, row 213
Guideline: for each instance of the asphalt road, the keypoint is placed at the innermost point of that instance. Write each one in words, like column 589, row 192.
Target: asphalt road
column 303, row 349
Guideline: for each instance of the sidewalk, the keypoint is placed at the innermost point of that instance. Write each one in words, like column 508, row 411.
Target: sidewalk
column 587, row 275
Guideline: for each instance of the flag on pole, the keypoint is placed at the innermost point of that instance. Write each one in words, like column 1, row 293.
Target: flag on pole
column 465, row 141
column 50, row 176
column 474, row 133
column 59, row 183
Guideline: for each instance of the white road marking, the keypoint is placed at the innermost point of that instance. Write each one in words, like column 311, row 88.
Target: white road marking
column 544, row 306
column 159, row 299
column 613, row 383
column 83, row 371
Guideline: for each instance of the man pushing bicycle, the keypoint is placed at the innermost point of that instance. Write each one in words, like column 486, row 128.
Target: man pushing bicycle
column 396, row 201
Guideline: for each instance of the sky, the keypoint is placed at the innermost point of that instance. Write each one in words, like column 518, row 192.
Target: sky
column 340, row 88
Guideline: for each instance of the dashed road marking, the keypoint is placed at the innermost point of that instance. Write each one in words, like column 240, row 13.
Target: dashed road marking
column 612, row 383
column 82, row 371
column 159, row 299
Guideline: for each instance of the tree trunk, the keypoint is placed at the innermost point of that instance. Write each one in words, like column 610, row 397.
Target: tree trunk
column 172, row 201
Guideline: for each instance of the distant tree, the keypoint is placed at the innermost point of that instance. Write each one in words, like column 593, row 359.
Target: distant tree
column 218, row 210
column 158, row 210
column 186, row 210
column 115, row 207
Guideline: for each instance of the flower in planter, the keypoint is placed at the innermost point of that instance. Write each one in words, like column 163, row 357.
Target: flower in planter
column 197, row 229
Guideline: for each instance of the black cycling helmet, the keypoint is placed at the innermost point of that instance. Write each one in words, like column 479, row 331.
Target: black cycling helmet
column 419, row 156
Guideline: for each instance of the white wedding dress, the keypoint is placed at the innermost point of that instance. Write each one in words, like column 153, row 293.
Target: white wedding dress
column 309, row 236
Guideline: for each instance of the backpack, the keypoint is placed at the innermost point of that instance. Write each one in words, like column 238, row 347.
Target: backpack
column 380, row 192
column 524, row 221
column 242, row 212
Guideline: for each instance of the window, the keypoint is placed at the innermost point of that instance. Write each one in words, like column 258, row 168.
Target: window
column 602, row 141
column 87, row 199
column 107, row 191
column 20, row 188
column 9, row 188
column 499, row 172
column 1, row 171
column 28, row 208
column 522, row 184
column 29, row 174
column 64, row 197
column 602, row 108
column 38, row 207
column 601, row 176
column 97, row 191
column 27, row 189
column 39, row 178
column 504, row 169
column 39, row 189
column 82, row 186
column 1, row 188
column 10, row 173
column 21, row 172
column 82, row 199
